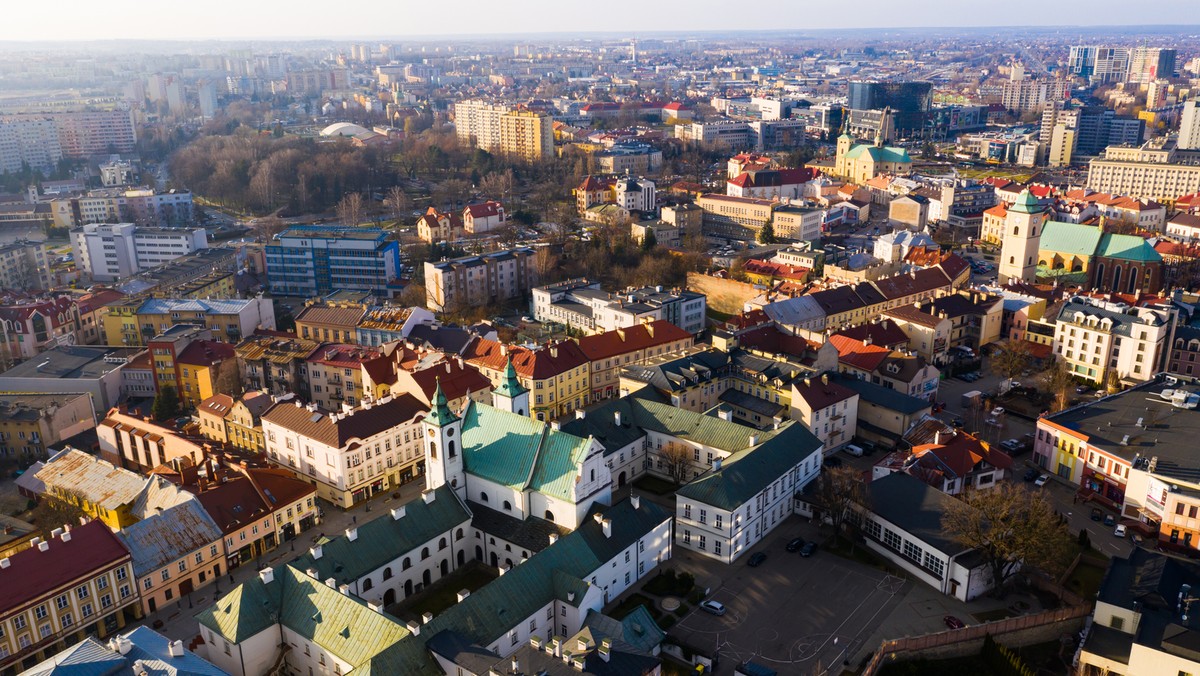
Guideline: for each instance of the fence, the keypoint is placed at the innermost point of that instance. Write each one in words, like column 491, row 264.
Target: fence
column 891, row 650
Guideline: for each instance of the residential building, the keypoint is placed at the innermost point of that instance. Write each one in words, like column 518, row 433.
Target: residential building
column 928, row 334
column 769, row 183
column 952, row 460
column 175, row 550
column 235, row 421
column 31, row 423
column 484, row 279
column 692, row 382
column 29, row 141
column 484, row 217
column 24, row 265
column 335, row 375
column 256, row 509
column 1189, row 127
column 829, row 410
column 1142, row 622
column 884, row 415
column 315, row 260
column 458, row 381
column 134, row 443
column 141, row 206
column 554, row 376
column 725, row 511
column 902, row 521
column 51, row 136
column 325, row 321
column 337, row 451
column 520, row 133
column 124, row 653
column 976, row 319
column 635, row 194
column 1100, row 341
column 32, row 326
column 228, row 319
column 688, row 217
column 78, row 582
column 629, row 157
column 435, row 226
column 385, row 324
column 108, row 252
column 660, row 232
column 611, row 351
column 72, row 369
column 734, row 218
column 275, row 362
column 92, row 307
column 185, row 358
column 897, row 370
column 1185, row 348
column 581, row 304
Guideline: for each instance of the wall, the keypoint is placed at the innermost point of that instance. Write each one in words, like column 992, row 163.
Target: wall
column 724, row 295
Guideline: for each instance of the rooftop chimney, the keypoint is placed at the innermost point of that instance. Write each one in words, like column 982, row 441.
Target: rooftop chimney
column 352, row 533
column 635, row 500
column 580, row 414
column 606, row 525
column 555, row 426
column 426, row 618
column 753, row 440
column 267, row 575
column 463, row 594
column 414, row 627
column 43, row 546
column 344, row 589
column 331, row 583
column 377, row 606
column 553, row 539
column 428, row 496
column 175, row 648
column 617, row 418
column 716, row 464
column 398, row 513
column 316, row 552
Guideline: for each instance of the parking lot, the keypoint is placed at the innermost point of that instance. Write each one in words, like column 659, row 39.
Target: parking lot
column 797, row 615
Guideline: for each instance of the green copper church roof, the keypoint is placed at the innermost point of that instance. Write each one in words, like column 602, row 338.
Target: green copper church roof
column 440, row 414
column 1069, row 238
column 1027, row 204
column 510, row 387
column 884, row 154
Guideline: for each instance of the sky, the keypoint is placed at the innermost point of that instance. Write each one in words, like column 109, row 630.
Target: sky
column 28, row 20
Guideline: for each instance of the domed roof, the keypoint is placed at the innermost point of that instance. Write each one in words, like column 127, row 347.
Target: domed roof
column 344, row 129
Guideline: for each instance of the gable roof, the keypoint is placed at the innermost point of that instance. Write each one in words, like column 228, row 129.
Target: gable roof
column 320, row 425
column 538, row 364
column 1127, row 247
column 747, row 472
column 167, row 536
column 914, row 506
column 621, row 341
column 1070, row 238
column 32, row 573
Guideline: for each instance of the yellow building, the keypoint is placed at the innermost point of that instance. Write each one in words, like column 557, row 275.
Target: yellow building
column 862, row 162
column 119, row 323
column 527, row 136
column 98, row 488
column 229, row 318
column 234, row 421
column 556, row 375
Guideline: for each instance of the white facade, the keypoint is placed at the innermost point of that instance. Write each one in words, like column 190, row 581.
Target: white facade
column 1189, row 127
column 936, row 568
column 1095, row 339
column 727, row 534
column 108, row 252
column 31, row 141
column 636, row 194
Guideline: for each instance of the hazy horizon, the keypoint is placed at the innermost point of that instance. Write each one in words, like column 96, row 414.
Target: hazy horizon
column 75, row 20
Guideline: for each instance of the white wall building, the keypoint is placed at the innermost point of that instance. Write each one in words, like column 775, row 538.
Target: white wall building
column 108, row 252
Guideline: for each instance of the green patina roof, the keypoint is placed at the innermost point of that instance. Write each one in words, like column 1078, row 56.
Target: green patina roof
column 1027, row 203
column 382, row 540
column 440, row 414
column 1127, row 247
column 746, row 473
column 520, row 452
column 1070, row 238
column 510, row 387
column 341, row 624
column 884, row 154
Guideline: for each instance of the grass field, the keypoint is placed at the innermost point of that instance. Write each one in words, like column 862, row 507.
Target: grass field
column 980, row 173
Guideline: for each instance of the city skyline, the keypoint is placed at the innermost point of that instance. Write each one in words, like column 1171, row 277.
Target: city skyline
column 125, row 19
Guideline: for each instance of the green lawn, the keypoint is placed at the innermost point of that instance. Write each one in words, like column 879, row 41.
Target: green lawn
column 444, row 593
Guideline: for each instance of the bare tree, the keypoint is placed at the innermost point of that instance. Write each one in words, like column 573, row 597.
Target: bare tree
column 413, row 295
column 398, row 202
column 544, row 261
column 498, row 184
column 267, row 227
column 677, row 458
column 1011, row 359
column 350, row 209
column 1011, row 528
column 1058, row 383
column 64, row 506
column 839, row 491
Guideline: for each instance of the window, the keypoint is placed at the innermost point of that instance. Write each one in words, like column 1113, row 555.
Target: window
column 102, row 583
column 1117, row 623
column 19, row 622
column 106, row 601
column 935, row 564
column 86, row 611
column 891, row 539
column 61, row 602
column 702, row 542
column 166, row 575
column 199, row 557
column 82, row 591
column 687, row 511
column 147, row 583
column 121, row 571
column 704, row 516
column 66, row 620
column 719, row 519
column 716, row 546
column 40, row 612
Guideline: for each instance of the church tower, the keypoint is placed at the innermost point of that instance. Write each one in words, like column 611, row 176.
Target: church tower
column 511, row 396
column 443, row 446
column 841, row 162
column 1021, row 239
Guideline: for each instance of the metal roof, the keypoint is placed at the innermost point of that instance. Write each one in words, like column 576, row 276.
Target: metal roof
column 748, row 472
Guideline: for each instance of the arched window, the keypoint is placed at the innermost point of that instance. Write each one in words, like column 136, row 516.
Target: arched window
column 458, row 534
column 367, row 584
column 1012, row 260
column 433, row 450
column 424, row 553
column 507, row 506
column 1116, row 283
column 450, row 449
column 406, row 564
column 441, row 544
column 593, row 475
column 549, row 515
column 1100, row 274
column 387, row 573
column 483, row 496
column 1016, row 230
column 1133, row 280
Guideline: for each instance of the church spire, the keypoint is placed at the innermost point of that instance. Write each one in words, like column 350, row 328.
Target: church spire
column 511, row 386
column 440, row 414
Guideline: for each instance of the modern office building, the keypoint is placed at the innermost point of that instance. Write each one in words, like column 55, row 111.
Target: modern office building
column 108, row 252
column 583, row 305
column 910, row 101
column 1153, row 170
column 313, row 260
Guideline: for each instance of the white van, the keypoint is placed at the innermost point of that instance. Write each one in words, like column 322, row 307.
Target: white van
column 854, row 450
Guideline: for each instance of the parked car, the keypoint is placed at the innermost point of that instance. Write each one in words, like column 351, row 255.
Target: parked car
column 1110, row 520
column 1096, row 514
column 953, row 622
column 1031, row 474
column 808, row 549
column 997, row 412
column 795, row 544
column 1041, row 481
column 1082, row 389
column 1119, row 531
column 958, row 422
column 756, row 559
column 713, row 607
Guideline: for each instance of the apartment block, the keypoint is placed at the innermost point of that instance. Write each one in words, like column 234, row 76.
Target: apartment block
column 108, row 252
column 315, row 260
column 484, row 279
column 30, row 141
column 583, row 305
column 1097, row 339
column 522, row 134
column 1152, row 171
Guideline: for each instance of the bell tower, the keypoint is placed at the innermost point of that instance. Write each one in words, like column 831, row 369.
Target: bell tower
column 511, row 396
column 1021, row 240
column 443, row 446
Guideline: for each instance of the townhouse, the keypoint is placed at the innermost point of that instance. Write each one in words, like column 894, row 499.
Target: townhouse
column 256, row 509
column 276, row 363
column 138, row 444
column 1101, row 340
column 612, row 351
column 556, row 376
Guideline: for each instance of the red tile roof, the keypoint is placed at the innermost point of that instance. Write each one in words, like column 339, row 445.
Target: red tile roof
column 206, row 353
column 243, row 499
column 885, row 333
column 32, row 573
column 483, row 209
column 858, row 354
column 456, row 378
column 622, row 341
column 544, row 362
